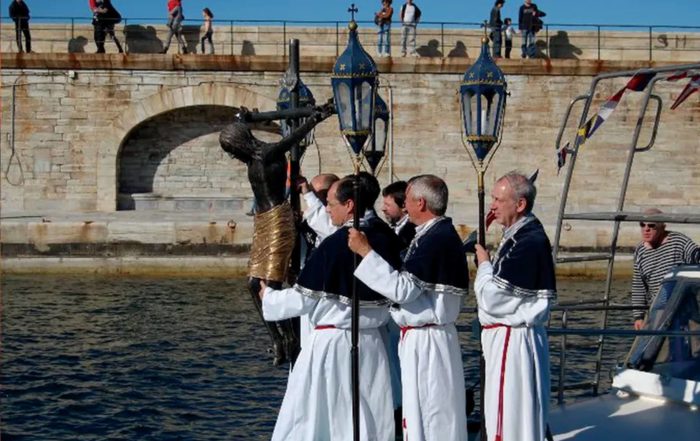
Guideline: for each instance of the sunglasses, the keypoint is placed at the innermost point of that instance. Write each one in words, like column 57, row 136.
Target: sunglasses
column 644, row 224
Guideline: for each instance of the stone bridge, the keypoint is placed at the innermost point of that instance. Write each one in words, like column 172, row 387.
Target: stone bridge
column 86, row 132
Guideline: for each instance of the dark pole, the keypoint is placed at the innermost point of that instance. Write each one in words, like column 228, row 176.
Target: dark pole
column 295, row 154
column 482, row 242
column 355, row 319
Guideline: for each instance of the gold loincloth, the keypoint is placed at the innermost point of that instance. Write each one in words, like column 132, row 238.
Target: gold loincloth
column 273, row 243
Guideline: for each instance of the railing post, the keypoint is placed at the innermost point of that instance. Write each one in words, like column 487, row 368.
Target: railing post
column 442, row 39
column 126, row 42
column 72, row 28
column 598, row 42
column 337, row 39
column 651, row 56
column 546, row 39
column 284, row 37
column 562, row 359
column 231, row 38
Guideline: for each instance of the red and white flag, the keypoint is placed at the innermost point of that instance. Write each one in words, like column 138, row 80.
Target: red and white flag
column 692, row 87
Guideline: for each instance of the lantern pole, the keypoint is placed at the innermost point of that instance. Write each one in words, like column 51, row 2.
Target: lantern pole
column 483, row 83
column 353, row 71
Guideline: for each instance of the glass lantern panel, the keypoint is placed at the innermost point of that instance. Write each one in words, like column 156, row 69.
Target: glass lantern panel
column 467, row 102
column 488, row 114
column 309, row 138
column 285, row 128
column 380, row 129
column 343, row 102
column 475, row 112
column 363, row 105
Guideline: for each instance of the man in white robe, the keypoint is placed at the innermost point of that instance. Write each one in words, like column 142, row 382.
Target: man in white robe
column 318, row 401
column 429, row 292
column 514, row 291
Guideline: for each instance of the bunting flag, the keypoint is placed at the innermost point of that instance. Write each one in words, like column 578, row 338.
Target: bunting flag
column 637, row 83
column 678, row 75
column 562, row 153
column 692, row 87
column 605, row 111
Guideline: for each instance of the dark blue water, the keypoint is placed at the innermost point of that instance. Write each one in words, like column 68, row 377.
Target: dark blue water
column 120, row 359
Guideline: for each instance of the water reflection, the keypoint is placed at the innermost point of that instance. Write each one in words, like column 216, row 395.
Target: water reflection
column 96, row 358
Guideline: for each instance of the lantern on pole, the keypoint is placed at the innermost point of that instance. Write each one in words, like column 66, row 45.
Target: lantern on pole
column 483, row 104
column 376, row 148
column 354, row 83
column 284, row 102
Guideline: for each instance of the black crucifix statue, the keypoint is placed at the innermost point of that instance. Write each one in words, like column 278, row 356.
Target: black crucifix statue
column 274, row 232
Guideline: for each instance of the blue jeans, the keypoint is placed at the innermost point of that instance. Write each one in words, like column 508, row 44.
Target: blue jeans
column 528, row 45
column 384, row 39
column 496, row 36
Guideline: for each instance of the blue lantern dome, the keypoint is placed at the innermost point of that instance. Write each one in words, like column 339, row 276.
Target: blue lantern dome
column 483, row 96
column 354, row 82
column 306, row 99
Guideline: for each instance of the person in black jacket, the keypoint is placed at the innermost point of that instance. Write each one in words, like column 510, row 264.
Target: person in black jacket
column 529, row 23
column 19, row 13
column 105, row 17
column 496, row 25
column 394, row 209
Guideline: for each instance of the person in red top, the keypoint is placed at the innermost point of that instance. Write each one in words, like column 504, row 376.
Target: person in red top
column 175, row 18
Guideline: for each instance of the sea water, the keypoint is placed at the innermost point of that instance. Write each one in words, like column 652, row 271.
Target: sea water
column 98, row 358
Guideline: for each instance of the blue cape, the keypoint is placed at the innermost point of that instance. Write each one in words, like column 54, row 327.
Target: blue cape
column 329, row 270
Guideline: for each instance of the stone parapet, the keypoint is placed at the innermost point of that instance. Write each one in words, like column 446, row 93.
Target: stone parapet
column 433, row 41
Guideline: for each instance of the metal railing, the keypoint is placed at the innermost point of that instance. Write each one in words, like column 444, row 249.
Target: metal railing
column 435, row 39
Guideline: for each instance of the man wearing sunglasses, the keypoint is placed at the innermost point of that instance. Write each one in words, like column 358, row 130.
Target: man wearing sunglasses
column 659, row 251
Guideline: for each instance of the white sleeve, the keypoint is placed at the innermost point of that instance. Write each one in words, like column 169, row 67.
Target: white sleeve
column 316, row 216
column 286, row 303
column 493, row 300
column 398, row 286
column 501, row 303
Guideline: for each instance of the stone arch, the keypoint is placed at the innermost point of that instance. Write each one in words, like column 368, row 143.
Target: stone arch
column 164, row 101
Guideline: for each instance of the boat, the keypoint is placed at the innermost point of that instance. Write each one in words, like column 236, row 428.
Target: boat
column 655, row 392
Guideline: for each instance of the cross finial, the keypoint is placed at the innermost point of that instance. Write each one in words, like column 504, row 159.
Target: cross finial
column 486, row 28
column 353, row 10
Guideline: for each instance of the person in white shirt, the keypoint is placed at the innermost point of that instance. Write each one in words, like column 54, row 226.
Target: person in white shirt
column 318, row 404
column 410, row 17
column 429, row 292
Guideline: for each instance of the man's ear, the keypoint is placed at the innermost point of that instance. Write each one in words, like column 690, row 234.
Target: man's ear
column 351, row 206
column 521, row 205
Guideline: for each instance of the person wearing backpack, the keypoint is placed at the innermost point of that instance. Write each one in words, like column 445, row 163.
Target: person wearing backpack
column 104, row 17
column 529, row 23
column 410, row 16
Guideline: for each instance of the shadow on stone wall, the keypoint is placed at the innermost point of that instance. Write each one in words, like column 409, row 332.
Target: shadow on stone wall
column 142, row 40
column 77, row 45
column 460, row 50
column 191, row 34
column 561, row 47
column 247, row 48
column 432, row 49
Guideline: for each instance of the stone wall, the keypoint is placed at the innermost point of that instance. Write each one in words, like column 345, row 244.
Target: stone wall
column 67, row 141
column 561, row 42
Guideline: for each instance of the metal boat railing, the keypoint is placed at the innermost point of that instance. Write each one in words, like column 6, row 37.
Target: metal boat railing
column 618, row 216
